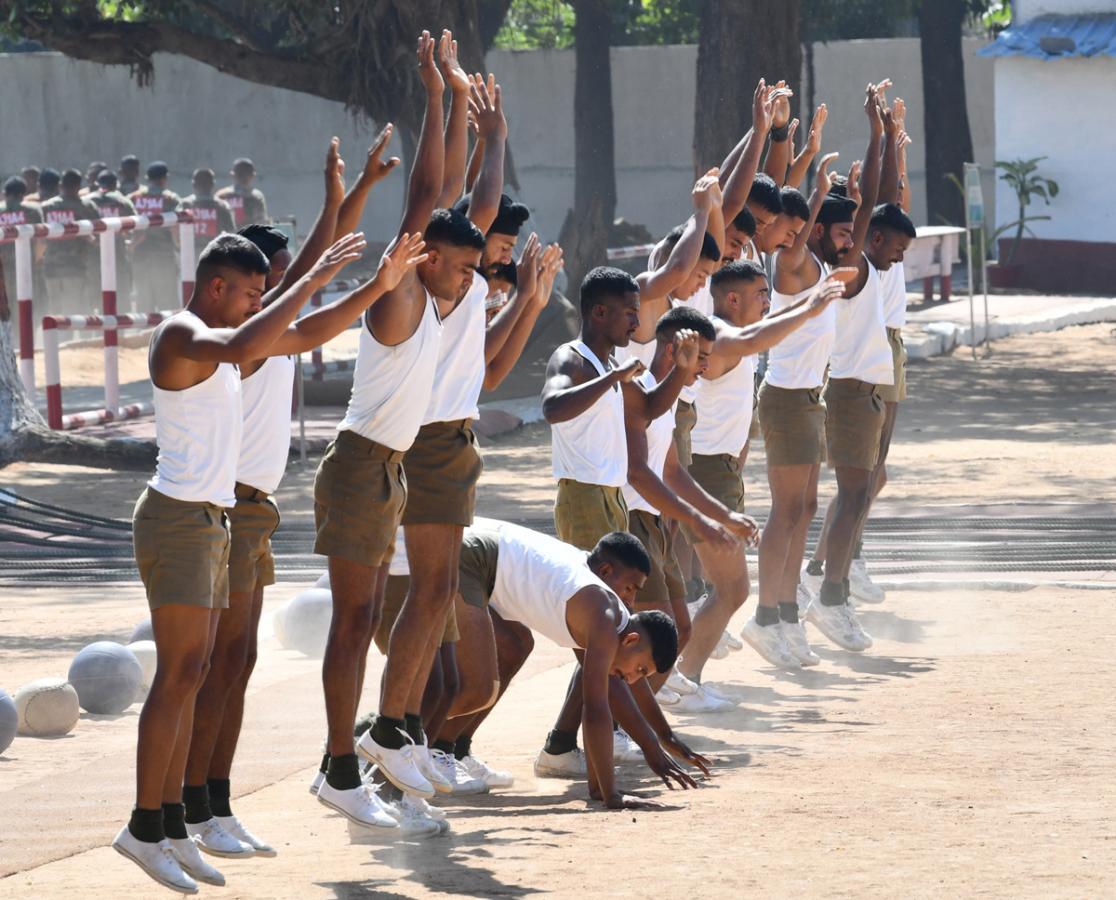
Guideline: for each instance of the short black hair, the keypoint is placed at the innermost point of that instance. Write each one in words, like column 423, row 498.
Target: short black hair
column 836, row 209
column 765, row 193
column 203, row 173
column 747, row 270
column 106, row 178
column 129, row 160
column 662, row 634
column 448, row 226
column 157, row 170
column 509, row 218
column 29, row 169
column 794, row 204
column 603, row 282
column 506, row 272
column 71, row 178
column 890, row 216
column 50, row 177
column 269, row 240
column 678, row 317
column 621, row 548
column 839, row 185
column 709, row 248
column 15, row 186
column 231, row 251
column 745, row 222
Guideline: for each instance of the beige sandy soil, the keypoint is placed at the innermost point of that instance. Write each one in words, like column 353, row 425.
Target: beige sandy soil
column 968, row 753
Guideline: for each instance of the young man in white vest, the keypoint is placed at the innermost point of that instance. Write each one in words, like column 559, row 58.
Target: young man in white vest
column 180, row 525
column 266, row 390
column 724, row 407
column 581, row 601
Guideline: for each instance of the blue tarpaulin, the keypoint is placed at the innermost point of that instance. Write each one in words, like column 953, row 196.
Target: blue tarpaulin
column 1056, row 37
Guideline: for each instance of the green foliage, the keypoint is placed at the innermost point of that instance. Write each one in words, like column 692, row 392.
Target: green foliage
column 547, row 24
column 843, row 20
column 537, row 25
column 1021, row 176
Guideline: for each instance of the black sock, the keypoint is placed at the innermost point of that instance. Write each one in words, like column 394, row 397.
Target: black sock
column 832, row 593
column 387, row 732
column 845, row 588
column 815, row 567
column 147, row 825
column 859, row 548
column 788, row 612
column 444, row 746
column 559, row 742
column 174, row 820
column 463, row 746
column 363, row 724
column 767, row 615
column 324, row 767
column 219, row 792
column 413, row 726
column 196, row 798
column 344, row 772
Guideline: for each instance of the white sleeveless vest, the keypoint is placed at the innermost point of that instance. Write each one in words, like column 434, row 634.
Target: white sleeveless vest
column 392, row 385
column 861, row 349
column 799, row 359
column 592, row 448
column 724, row 410
column 459, row 373
column 266, row 438
column 660, row 433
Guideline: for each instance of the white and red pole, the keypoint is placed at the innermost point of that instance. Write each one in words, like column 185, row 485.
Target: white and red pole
column 109, row 336
column 24, row 282
column 186, row 259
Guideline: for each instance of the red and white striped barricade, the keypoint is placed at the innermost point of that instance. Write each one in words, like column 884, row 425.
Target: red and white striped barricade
column 108, row 228
column 108, row 325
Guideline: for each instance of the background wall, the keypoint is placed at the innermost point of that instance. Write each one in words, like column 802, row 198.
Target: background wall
column 61, row 112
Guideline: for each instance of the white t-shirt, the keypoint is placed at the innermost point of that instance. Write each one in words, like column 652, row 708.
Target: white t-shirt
column 860, row 349
column 893, row 283
column 799, row 359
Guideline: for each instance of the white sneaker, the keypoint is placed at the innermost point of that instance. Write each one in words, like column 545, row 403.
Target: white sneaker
column 319, row 780
column 492, row 777
column 624, row 749
column 768, row 642
column 157, row 860
column 862, row 586
column 667, row 698
column 399, row 766
column 794, row 633
column 804, row 596
column 561, row 765
column 411, row 807
column 215, row 841
column 432, row 772
column 360, row 805
column 190, row 858
column 460, row 781
column 839, row 624
column 732, row 641
column 679, row 683
column 812, row 583
column 233, row 826
column 702, row 701
column 721, row 650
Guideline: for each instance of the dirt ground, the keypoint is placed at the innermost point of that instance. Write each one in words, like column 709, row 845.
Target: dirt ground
column 968, row 753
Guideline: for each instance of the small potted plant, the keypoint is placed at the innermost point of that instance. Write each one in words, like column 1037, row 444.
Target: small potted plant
column 1022, row 175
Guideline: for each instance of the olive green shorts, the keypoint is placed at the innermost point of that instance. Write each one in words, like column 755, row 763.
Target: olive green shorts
column 476, row 573
column 685, row 418
column 854, row 419
column 720, row 476
column 585, row 513
column 665, row 581
column 793, row 423
column 359, row 494
column 252, row 522
column 893, row 393
column 394, row 595
column 443, row 467
column 182, row 551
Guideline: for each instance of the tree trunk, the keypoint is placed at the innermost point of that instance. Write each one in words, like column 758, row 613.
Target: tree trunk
column 584, row 235
column 949, row 143
column 738, row 44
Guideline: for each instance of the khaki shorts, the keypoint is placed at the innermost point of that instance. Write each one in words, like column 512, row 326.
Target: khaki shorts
column 394, row 595
column 665, row 581
column 893, row 393
column 685, row 418
column 252, row 521
column 182, row 551
column 359, row 494
column 854, row 418
column 442, row 466
column 793, row 423
column 585, row 513
column 719, row 476
column 476, row 574
column 754, row 427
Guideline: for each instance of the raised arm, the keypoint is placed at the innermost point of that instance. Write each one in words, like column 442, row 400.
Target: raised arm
column 569, row 389
column 503, row 360
column 326, row 323
column 791, row 258
column 655, row 402
column 457, row 127
column 889, row 169
column 375, row 169
column 683, row 257
column 487, row 105
column 779, row 152
column 870, row 173
column 899, row 111
column 739, row 183
column 812, row 148
column 425, row 185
